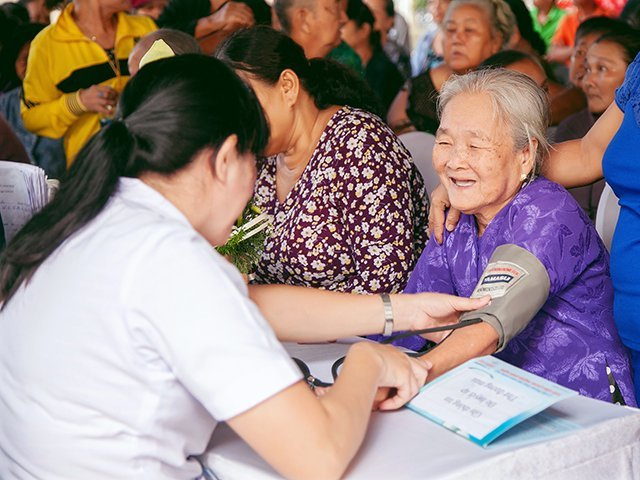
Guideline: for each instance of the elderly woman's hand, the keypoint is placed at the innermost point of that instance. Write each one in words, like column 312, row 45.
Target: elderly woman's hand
column 439, row 203
column 426, row 310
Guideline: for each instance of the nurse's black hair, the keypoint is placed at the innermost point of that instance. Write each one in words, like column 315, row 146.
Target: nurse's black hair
column 168, row 113
column 265, row 53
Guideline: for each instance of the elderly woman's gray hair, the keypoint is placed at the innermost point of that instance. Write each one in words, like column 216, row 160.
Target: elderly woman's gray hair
column 498, row 12
column 517, row 102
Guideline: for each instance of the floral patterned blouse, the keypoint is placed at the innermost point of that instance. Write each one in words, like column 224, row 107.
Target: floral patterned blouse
column 356, row 219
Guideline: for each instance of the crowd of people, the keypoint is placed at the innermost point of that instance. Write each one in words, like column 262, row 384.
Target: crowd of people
column 125, row 335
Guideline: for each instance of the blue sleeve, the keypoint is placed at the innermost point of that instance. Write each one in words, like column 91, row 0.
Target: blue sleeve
column 631, row 86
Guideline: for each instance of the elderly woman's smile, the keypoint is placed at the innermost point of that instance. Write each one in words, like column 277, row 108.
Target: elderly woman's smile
column 476, row 159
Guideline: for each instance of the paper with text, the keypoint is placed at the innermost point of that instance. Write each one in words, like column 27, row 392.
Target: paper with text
column 485, row 397
column 23, row 192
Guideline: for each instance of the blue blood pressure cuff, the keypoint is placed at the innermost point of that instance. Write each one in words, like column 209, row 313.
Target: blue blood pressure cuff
column 518, row 284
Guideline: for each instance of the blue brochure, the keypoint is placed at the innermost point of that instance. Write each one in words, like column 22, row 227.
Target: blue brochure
column 484, row 397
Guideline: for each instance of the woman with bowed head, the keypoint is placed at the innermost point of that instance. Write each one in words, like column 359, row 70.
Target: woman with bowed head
column 125, row 337
column 77, row 67
column 347, row 203
column 521, row 238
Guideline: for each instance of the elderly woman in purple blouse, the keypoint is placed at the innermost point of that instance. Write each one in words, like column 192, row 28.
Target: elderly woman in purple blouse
column 488, row 149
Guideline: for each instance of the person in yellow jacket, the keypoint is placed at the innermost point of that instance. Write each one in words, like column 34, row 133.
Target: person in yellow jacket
column 76, row 69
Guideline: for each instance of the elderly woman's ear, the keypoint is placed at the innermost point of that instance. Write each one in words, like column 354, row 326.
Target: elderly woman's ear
column 527, row 159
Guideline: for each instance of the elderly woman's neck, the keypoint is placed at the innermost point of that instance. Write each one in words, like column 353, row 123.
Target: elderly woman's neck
column 482, row 223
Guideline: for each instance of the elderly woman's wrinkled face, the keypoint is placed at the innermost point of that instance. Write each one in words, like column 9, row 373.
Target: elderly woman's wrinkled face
column 606, row 66
column 468, row 39
column 475, row 158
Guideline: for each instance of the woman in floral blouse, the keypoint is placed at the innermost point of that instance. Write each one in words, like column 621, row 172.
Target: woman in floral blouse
column 349, row 208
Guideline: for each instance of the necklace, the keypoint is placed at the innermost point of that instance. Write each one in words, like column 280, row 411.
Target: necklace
column 112, row 59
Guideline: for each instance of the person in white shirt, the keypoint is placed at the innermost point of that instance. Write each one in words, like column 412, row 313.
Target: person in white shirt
column 125, row 337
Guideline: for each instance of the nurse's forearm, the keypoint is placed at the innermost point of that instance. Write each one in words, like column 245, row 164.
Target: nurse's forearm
column 462, row 345
column 311, row 315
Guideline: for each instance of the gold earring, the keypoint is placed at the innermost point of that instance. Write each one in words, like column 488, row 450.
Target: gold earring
column 523, row 177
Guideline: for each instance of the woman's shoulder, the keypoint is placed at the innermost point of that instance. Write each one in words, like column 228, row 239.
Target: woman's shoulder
column 630, row 89
column 358, row 136
column 265, row 186
column 546, row 203
column 136, row 25
column 424, row 82
column 349, row 122
column 541, row 192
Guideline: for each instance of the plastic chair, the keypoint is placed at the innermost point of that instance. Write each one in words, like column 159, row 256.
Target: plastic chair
column 607, row 215
column 420, row 146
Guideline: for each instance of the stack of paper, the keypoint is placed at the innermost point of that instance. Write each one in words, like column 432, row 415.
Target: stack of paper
column 23, row 192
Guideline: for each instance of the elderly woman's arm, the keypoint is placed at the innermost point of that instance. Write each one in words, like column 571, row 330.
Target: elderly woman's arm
column 519, row 284
column 462, row 345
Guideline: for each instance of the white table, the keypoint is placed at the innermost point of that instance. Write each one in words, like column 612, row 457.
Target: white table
column 402, row 444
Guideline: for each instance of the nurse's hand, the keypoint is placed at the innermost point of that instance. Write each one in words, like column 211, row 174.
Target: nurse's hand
column 417, row 311
column 439, row 203
column 401, row 376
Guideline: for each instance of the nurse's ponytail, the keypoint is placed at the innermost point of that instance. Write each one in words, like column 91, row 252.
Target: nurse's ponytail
column 170, row 111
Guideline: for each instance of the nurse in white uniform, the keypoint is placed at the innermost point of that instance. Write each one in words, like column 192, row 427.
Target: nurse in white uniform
column 124, row 336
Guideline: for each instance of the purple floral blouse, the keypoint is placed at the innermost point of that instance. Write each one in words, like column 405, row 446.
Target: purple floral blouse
column 572, row 340
column 355, row 221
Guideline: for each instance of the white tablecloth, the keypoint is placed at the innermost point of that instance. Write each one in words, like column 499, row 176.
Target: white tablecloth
column 403, row 445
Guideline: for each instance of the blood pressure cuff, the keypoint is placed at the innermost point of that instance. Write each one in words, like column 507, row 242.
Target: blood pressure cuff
column 518, row 284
